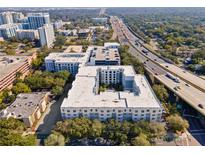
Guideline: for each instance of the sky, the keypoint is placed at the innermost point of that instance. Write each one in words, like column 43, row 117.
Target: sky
column 102, row 3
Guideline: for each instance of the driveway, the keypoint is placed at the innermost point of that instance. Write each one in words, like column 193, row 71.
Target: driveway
column 51, row 116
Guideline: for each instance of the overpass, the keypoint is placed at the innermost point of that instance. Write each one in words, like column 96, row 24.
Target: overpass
column 190, row 88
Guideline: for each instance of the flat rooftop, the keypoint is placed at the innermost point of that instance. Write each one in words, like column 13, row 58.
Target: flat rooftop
column 74, row 49
column 101, row 53
column 26, row 30
column 111, row 44
column 82, row 94
column 9, row 64
column 11, row 25
column 84, row 30
column 68, row 57
column 25, row 105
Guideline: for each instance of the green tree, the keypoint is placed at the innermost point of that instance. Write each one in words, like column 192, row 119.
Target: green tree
column 96, row 129
column 62, row 74
column 176, row 123
column 157, row 130
column 55, row 139
column 160, row 92
column 57, row 91
column 20, row 88
column 11, row 133
column 59, row 82
column 140, row 140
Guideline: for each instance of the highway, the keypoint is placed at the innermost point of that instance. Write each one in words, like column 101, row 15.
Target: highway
column 188, row 87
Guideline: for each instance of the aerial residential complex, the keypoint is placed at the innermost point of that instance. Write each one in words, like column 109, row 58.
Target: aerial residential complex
column 73, row 58
column 66, row 61
column 36, row 26
column 10, row 66
column 27, row 107
column 135, row 102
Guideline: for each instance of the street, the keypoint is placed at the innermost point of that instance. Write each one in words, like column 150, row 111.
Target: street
column 51, row 116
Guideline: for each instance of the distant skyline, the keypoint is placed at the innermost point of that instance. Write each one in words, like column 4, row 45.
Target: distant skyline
column 103, row 3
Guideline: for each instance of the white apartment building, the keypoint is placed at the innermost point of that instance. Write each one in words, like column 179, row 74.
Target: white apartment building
column 9, row 30
column 66, row 61
column 111, row 45
column 6, row 18
column 136, row 102
column 46, row 35
column 99, row 55
column 58, row 24
column 28, row 34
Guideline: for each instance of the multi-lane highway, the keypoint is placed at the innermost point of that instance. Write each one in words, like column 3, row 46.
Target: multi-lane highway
column 187, row 86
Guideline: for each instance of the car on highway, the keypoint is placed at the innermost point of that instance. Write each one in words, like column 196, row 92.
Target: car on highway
column 175, row 88
column 172, row 77
column 187, row 84
column 201, row 106
column 144, row 51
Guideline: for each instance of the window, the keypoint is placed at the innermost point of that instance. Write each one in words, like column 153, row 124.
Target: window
column 102, row 111
column 96, row 110
column 154, row 111
column 74, row 110
column 142, row 114
column 102, row 114
column 85, row 110
column 135, row 114
column 147, row 110
column 119, row 111
column 68, row 110
column 113, row 110
column 142, row 111
column 130, row 110
column 108, row 111
column 136, row 111
column 91, row 110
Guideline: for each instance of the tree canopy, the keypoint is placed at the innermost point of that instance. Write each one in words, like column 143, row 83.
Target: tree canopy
column 11, row 133
column 112, row 131
column 177, row 124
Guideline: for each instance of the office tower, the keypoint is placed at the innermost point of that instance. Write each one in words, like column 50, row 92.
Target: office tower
column 37, row 20
column 6, row 18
